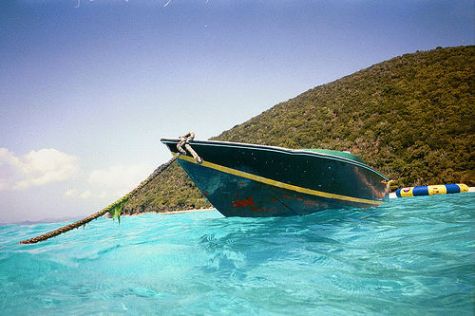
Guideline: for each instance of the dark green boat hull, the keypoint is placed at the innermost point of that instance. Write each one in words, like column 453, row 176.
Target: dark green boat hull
column 255, row 181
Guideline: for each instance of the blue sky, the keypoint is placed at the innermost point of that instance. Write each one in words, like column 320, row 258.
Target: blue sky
column 87, row 88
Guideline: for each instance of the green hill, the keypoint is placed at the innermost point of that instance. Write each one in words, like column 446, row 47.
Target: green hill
column 411, row 117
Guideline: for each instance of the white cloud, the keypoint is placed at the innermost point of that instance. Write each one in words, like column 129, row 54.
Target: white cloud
column 38, row 167
column 71, row 192
column 110, row 183
column 118, row 177
column 85, row 195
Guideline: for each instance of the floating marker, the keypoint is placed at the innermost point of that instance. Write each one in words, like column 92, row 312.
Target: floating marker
column 431, row 190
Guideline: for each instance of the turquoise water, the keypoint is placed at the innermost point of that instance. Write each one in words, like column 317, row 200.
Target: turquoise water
column 411, row 256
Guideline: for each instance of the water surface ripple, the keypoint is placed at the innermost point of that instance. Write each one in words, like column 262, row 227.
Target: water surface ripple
column 410, row 256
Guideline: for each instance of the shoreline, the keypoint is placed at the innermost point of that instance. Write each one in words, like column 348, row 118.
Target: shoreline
column 74, row 219
column 172, row 212
column 186, row 211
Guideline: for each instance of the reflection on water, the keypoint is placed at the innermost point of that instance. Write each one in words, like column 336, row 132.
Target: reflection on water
column 409, row 256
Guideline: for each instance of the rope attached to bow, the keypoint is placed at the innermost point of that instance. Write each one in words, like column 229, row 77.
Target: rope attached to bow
column 185, row 141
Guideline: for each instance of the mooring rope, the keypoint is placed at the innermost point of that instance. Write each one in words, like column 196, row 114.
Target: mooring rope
column 117, row 205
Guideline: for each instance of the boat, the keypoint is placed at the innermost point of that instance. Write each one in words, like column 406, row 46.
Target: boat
column 250, row 180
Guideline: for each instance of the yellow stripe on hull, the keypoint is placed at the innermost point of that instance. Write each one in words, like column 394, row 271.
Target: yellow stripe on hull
column 279, row 184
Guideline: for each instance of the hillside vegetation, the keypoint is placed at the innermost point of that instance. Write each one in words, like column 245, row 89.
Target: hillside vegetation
column 411, row 118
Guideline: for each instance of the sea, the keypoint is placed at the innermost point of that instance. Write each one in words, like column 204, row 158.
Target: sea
column 413, row 256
